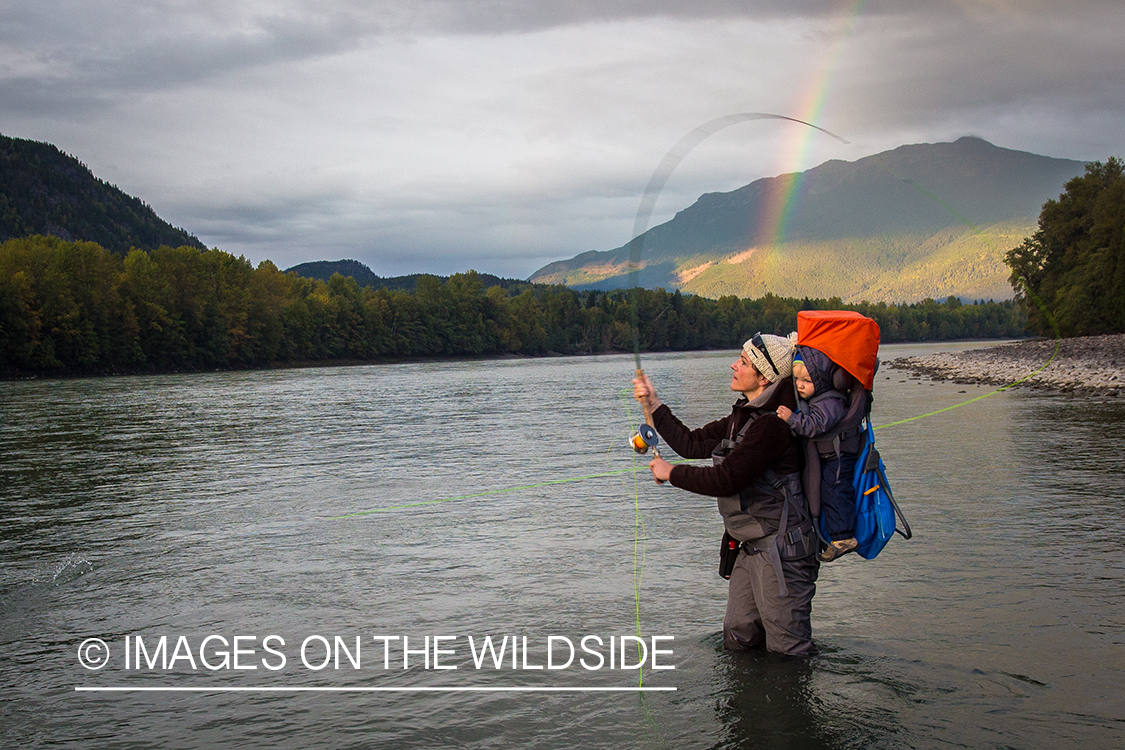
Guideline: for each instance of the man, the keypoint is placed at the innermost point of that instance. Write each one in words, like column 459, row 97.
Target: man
column 756, row 477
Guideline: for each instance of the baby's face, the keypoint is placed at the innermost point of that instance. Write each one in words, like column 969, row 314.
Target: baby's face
column 805, row 387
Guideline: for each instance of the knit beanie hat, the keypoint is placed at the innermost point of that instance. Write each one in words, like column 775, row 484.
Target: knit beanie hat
column 772, row 355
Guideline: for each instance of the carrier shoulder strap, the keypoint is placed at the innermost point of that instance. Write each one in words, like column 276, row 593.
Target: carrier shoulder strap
column 742, row 433
column 850, row 425
column 769, row 475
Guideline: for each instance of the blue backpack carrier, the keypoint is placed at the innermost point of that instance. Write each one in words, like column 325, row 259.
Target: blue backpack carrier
column 877, row 514
column 850, row 341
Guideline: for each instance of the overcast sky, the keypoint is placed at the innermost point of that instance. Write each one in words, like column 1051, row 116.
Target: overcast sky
column 442, row 135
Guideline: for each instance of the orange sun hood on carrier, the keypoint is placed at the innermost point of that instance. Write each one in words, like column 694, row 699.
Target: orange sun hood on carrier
column 849, row 339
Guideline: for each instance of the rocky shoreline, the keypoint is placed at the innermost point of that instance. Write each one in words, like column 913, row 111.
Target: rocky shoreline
column 1090, row 364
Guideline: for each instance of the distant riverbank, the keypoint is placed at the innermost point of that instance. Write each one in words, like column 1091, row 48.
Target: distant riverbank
column 1089, row 364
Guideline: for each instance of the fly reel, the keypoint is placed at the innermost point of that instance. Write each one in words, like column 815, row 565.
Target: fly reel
column 645, row 438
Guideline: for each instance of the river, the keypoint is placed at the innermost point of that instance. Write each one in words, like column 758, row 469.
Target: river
column 262, row 522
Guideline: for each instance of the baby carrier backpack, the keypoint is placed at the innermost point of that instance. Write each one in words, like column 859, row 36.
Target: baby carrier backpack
column 851, row 341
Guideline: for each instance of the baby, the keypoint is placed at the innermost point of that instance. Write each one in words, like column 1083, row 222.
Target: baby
column 820, row 409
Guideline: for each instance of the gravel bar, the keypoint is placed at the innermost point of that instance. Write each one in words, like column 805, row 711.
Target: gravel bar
column 1089, row 364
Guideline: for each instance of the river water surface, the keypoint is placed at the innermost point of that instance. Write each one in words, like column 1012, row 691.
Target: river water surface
column 476, row 499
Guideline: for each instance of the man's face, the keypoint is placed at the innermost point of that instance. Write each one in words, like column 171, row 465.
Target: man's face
column 746, row 378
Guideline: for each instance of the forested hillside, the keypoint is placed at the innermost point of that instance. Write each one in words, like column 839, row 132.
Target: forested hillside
column 44, row 191
column 76, row 308
column 364, row 276
column 924, row 220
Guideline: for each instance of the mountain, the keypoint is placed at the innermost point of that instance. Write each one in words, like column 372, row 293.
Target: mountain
column 44, row 191
column 364, row 276
column 924, row 220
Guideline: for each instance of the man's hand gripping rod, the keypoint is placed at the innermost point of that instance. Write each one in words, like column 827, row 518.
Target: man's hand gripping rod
column 646, row 436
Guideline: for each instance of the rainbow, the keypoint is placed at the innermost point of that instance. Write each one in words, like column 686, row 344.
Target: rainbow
column 780, row 198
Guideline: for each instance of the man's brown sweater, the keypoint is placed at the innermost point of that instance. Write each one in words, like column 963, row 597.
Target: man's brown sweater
column 767, row 444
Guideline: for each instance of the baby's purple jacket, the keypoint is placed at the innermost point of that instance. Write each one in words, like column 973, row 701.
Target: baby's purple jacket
column 827, row 406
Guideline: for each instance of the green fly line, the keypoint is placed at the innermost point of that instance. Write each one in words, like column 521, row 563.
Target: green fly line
column 489, row 493
column 640, row 536
column 655, row 186
column 644, row 213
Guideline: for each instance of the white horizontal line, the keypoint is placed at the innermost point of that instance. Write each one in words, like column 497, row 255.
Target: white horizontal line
column 450, row 689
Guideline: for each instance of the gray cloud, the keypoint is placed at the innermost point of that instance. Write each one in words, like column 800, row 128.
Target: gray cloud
column 522, row 16
column 63, row 60
column 1031, row 82
column 440, row 135
column 65, row 50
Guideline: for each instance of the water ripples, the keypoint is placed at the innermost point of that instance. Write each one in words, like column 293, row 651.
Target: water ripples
column 218, row 503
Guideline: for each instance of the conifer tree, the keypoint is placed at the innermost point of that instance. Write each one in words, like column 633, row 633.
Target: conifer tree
column 1072, row 270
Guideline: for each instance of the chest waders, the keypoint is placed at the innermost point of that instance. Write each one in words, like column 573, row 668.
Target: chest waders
column 744, row 515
